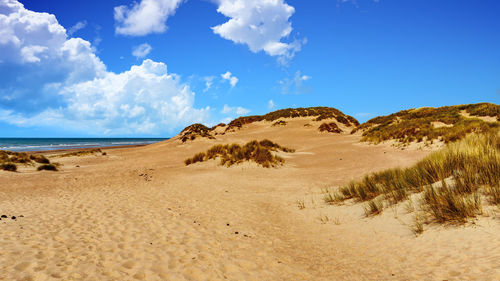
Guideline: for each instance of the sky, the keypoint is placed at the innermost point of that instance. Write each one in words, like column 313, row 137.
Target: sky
column 148, row 68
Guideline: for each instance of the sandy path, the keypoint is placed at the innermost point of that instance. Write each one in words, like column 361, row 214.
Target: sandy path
column 141, row 214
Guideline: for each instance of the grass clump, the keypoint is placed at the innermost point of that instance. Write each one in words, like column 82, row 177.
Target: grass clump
column 330, row 128
column 279, row 123
column 47, row 167
column 196, row 130
column 81, row 153
column 258, row 152
column 451, row 181
column 10, row 159
column 417, row 124
column 11, row 167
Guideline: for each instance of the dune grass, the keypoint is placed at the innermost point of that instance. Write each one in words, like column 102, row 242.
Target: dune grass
column 330, row 128
column 9, row 160
column 47, row 167
column 452, row 181
column 279, row 123
column 320, row 113
column 11, row 167
column 417, row 124
column 259, row 152
column 196, row 130
column 82, row 153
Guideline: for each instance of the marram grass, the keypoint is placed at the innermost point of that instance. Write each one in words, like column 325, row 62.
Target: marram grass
column 452, row 181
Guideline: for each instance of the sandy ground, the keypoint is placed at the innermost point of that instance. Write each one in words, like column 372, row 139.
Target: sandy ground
column 141, row 214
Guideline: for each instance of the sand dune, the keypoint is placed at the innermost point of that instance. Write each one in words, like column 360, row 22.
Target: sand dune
column 141, row 214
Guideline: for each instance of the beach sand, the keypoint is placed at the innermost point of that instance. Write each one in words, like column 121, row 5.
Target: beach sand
column 141, row 214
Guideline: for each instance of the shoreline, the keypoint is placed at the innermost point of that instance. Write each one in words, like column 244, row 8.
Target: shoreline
column 59, row 151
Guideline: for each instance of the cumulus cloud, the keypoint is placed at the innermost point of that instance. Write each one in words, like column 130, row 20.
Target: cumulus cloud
column 260, row 24
column 79, row 25
column 141, row 50
column 296, row 84
column 51, row 80
column 145, row 17
column 233, row 80
column 234, row 110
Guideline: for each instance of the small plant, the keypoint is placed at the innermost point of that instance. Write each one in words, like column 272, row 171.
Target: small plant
column 47, row 167
column 279, row 123
column 11, row 167
column 324, row 219
column 301, row 204
column 374, row 207
column 417, row 227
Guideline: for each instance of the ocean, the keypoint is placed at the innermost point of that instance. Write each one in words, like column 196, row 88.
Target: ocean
column 42, row 144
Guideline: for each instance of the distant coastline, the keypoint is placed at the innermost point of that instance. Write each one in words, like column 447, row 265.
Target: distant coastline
column 58, row 144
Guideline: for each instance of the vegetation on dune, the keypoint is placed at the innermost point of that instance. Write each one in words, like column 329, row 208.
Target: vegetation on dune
column 258, row 152
column 48, row 167
column 11, row 167
column 418, row 124
column 196, row 130
column 82, row 153
column 9, row 159
column 279, row 123
column 321, row 113
column 330, row 128
column 451, row 181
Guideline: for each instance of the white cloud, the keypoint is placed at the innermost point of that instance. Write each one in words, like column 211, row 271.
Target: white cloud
column 295, row 84
column 233, row 80
column 271, row 104
column 58, row 82
column 79, row 25
column 209, row 81
column 260, row 24
column 145, row 17
column 234, row 110
column 141, row 50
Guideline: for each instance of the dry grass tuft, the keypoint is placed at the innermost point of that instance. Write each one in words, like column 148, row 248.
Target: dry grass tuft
column 47, row 167
column 81, row 153
column 9, row 159
column 451, row 181
column 258, row 152
column 11, row 167
column 279, row 123
column 330, row 128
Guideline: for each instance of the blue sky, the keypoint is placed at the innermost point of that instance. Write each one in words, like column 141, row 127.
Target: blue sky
column 151, row 67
